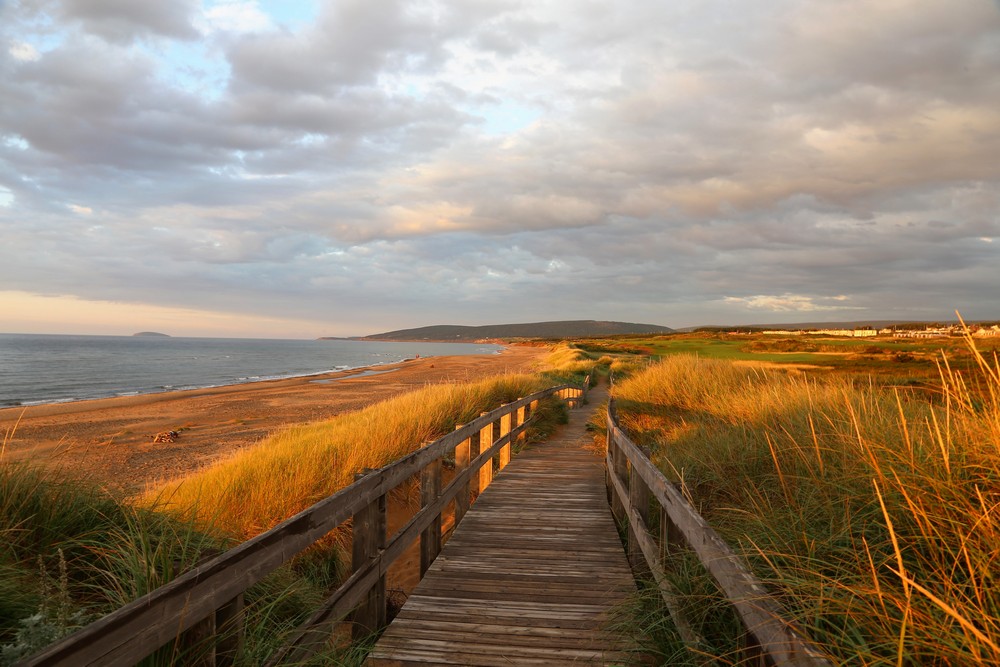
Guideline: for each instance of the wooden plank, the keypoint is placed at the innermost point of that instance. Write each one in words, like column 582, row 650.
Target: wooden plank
column 531, row 576
column 304, row 642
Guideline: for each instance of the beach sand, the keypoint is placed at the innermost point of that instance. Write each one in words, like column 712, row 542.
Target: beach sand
column 110, row 442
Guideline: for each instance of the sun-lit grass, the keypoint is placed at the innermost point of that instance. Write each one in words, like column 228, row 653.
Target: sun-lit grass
column 114, row 550
column 71, row 553
column 567, row 362
column 257, row 488
column 873, row 512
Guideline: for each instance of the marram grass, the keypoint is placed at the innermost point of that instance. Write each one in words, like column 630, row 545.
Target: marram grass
column 258, row 487
column 874, row 513
column 113, row 550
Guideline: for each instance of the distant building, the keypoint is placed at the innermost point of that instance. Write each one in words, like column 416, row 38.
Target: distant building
column 852, row 333
column 925, row 333
column 987, row 332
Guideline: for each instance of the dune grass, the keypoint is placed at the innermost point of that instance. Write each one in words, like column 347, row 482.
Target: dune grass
column 258, row 487
column 567, row 362
column 69, row 551
column 872, row 512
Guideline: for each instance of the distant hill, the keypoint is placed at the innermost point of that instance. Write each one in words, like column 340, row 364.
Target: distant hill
column 564, row 329
column 152, row 334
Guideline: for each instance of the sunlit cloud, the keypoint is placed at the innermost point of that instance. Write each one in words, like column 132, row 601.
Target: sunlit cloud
column 24, row 52
column 786, row 303
column 237, row 16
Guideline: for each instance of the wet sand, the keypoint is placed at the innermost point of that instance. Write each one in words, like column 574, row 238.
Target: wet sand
column 110, row 441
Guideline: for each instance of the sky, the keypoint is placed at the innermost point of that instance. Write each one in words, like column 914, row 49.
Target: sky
column 324, row 168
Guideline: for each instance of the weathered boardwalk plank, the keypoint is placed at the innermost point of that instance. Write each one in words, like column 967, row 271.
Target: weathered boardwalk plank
column 532, row 574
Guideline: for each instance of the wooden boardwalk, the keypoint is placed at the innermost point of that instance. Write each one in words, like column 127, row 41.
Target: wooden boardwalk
column 531, row 575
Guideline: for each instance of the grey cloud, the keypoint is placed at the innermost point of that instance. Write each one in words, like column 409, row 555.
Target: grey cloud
column 124, row 20
column 352, row 43
column 685, row 153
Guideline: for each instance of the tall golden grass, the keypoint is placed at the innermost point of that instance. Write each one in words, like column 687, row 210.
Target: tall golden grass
column 258, row 487
column 875, row 513
column 567, row 358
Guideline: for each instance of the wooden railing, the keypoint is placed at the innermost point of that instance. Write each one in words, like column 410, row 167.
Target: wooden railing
column 633, row 481
column 206, row 603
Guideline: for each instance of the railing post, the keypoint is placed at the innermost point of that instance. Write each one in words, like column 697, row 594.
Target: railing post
column 486, row 438
column 474, row 450
column 430, row 537
column 217, row 639
column 638, row 493
column 671, row 538
column 522, row 416
column 506, row 422
column 462, row 458
column 229, row 624
column 368, row 539
column 196, row 646
column 618, row 467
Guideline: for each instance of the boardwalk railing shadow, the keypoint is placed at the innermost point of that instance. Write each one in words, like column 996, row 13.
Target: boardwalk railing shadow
column 207, row 601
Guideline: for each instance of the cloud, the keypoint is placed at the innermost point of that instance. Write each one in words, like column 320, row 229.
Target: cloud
column 666, row 162
column 786, row 303
column 23, row 51
column 237, row 16
column 124, row 20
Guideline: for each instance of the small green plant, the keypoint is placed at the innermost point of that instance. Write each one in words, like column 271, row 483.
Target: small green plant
column 56, row 616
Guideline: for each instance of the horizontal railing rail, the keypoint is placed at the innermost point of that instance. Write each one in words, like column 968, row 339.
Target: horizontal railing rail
column 633, row 481
column 207, row 601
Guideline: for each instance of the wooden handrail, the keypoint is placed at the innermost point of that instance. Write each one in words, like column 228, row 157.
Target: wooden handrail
column 212, row 592
column 632, row 480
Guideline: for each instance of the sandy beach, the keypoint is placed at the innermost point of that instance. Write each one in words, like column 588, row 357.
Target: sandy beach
column 110, row 440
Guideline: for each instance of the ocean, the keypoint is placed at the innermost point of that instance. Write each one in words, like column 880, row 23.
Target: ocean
column 37, row 369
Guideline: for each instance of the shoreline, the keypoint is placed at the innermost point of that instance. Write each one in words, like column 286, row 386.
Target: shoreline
column 109, row 440
column 249, row 381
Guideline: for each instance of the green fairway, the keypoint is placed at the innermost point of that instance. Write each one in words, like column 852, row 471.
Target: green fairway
column 891, row 361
